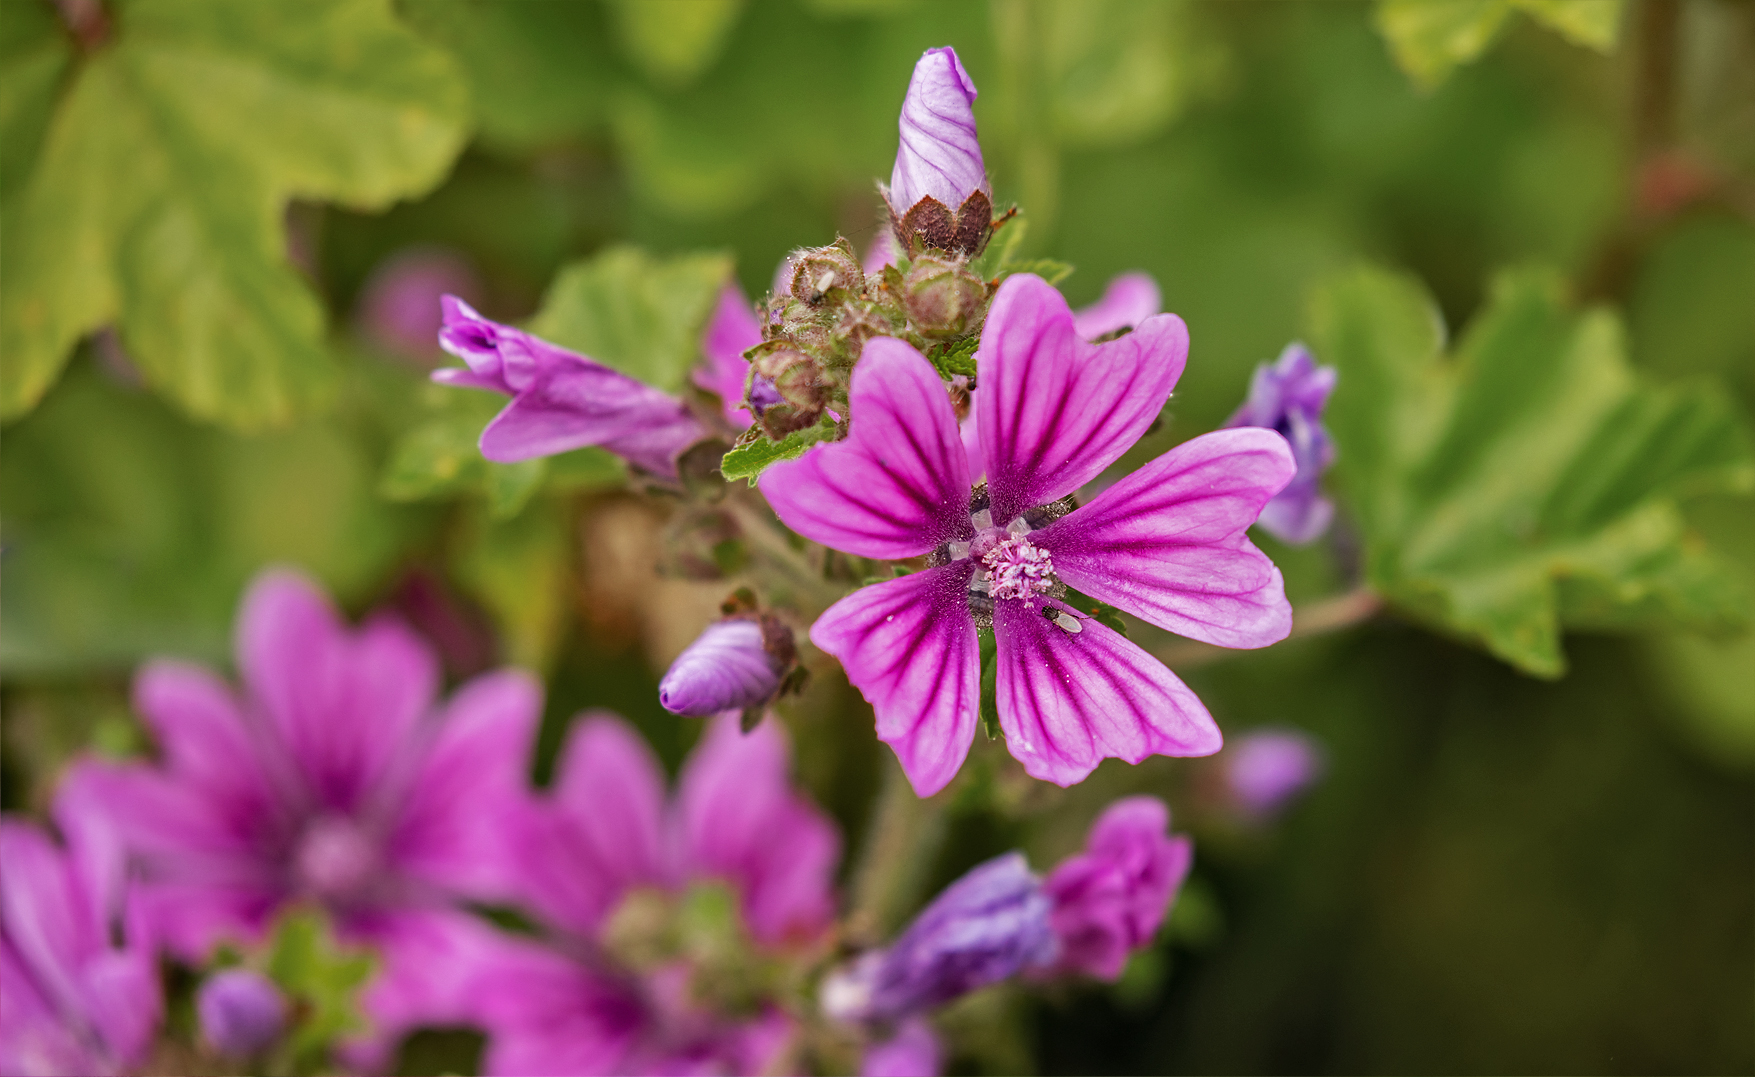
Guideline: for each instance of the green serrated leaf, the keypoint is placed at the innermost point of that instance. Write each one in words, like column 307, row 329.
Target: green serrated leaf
column 957, row 358
column 640, row 314
column 1529, row 480
column 157, row 201
column 1431, row 38
column 674, row 41
column 1048, row 269
column 750, row 459
column 323, row 979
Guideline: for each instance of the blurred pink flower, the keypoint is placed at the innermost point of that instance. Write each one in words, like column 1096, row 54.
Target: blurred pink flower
column 399, row 303
column 1110, row 899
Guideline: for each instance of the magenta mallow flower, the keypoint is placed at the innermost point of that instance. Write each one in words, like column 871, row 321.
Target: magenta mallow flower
column 734, row 664
column 913, row 1051
column 1110, row 899
column 561, row 400
column 1289, row 396
column 939, row 195
column 1266, row 769
column 399, row 306
column 332, row 777
column 1165, row 544
column 605, row 832
column 731, row 331
column 987, row 926
column 79, row 992
column 241, row 1012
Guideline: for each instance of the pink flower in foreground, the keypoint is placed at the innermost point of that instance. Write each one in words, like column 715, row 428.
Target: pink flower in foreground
column 606, row 831
column 1167, row 544
column 331, row 778
column 1110, row 899
column 72, row 1001
column 561, row 400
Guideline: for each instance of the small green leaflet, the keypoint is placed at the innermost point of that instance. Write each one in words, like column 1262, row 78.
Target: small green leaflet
column 748, row 459
column 1529, row 480
column 1431, row 38
column 156, row 200
column 640, row 314
column 956, row 358
column 322, row 980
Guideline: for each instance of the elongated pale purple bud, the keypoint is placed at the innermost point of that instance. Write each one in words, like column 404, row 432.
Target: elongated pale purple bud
column 1288, row 397
column 940, row 154
column 939, row 195
column 989, row 925
column 734, row 664
column 1266, row 769
column 1110, row 899
column 241, row 1012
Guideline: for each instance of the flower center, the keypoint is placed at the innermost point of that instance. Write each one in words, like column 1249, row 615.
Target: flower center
column 1015, row 566
column 335, row 858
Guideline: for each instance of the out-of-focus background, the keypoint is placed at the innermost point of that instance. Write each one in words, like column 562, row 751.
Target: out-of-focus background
column 1495, row 872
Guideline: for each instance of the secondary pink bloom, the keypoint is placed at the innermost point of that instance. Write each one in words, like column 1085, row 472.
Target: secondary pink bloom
column 72, row 1001
column 331, row 777
column 1289, row 397
column 1166, row 544
column 912, row 1052
column 731, row 331
column 399, row 306
column 1267, row 769
column 606, row 830
column 1110, row 899
column 561, row 400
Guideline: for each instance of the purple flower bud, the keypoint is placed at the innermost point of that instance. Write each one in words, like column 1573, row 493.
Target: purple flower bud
column 990, row 924
column 399, row 305
column 939, row 196
column 734, row 664
column 241, row 1012
column 912, row 1052
column 788, row 391
column 1110, row 899
column 1265, row 769
column 1288, row 397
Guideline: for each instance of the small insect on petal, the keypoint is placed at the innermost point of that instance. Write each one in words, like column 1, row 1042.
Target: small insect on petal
column 1068, row 622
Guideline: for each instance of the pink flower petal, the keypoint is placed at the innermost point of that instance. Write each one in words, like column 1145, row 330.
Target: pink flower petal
column 546, row 1013
column 898, row 486
column 731, row 331
column 1128, row 301
column 740, row 820
column 602, row 832
column 1167, row 542
column 909, row 646
column 1069, row 700
column 452, row 825
column 1055, row 411
column 343, row 702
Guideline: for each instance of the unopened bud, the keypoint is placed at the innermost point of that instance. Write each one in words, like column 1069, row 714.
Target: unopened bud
column 821, row 270
column 735, row 664
column 241, row 1012
column 939, row 196
column 787, row 391
column 942, row 296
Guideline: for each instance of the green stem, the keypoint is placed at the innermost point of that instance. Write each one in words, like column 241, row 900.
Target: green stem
column 900, row 848
column 1316, row 619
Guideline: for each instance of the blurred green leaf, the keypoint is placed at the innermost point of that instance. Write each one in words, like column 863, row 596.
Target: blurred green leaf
column 130, row 532
column 157, row 199
column 640, row 314
column 692, row 162
column 1431, row 38
column 749, row 459
column 519, row 569
column 440, row 457
column 323, row 979
column 34, row 51
column 673, row 41
column 538, row 72
column 1529, row 480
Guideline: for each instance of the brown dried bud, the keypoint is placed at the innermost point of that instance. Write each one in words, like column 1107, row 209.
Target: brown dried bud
column 930, row 225
column 942, row 297
column 822, row 270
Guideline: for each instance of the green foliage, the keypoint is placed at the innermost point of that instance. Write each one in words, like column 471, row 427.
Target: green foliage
column 33, row 57
column 956, row 358
column 748, row 459
column 1430, row 38
column 323, row 980
column 131, row 533
column 520, row 570
column 673, row 41
column 640, row 314
column 439, row 457
column 1529, row 480
column 157, row 198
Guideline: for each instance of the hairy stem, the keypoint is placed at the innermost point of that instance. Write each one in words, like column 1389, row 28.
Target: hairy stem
column 1315, row 619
